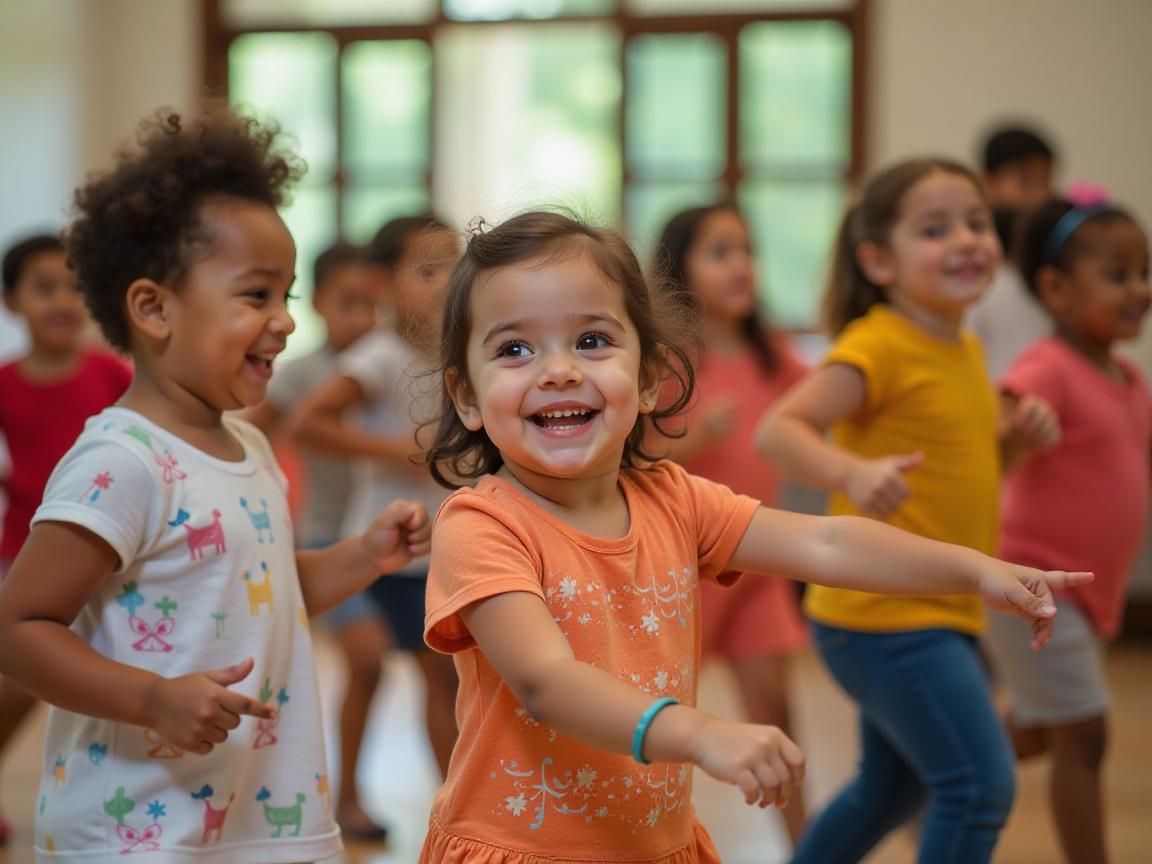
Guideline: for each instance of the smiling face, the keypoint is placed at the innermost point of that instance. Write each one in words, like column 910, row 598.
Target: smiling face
column 942, row 252
column 554, row 369
column 1104, row 294
column 719, row 266
column 228, row 319
column 47, row 297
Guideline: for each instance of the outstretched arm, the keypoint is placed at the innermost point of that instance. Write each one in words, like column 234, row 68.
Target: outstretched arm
column 400, row 532
column 60, row 566
column 519, row 637
column 866, row 555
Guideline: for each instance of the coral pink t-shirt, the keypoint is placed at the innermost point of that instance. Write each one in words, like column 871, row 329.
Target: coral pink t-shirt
column 1082, row 505
column 40, row 421
column 517, row 790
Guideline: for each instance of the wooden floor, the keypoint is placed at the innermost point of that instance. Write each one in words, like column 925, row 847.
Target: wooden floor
column 399, row 781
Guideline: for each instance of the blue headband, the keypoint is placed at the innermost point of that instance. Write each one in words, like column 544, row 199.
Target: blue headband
column 1068, row 224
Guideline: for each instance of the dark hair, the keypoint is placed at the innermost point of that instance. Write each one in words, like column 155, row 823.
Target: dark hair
column 333, row 258
column 1013, row 144
column 670, row 268
column 850, row 293
column 142, row 219
column 1033, row 241
column 18, row 256
column 458, row 452
column 391, row 241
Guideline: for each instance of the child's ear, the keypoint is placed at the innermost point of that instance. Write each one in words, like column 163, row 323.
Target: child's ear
column 464, row 399
column 650, row 382
column 877, row 263
column 1052, row 288
column 148, row 305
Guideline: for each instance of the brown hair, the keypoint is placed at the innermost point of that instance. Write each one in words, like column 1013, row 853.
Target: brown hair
column 458, row 452
column 849, row 293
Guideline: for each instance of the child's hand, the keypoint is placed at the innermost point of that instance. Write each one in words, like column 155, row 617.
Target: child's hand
column 1027, row 593
column 196, row 712
column 877, row 486
column 1032, row 425
column 761, row 760
column 400, row 533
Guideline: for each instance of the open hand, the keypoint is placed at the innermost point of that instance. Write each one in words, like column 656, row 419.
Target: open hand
column 1028, row 593
column 1032, row 426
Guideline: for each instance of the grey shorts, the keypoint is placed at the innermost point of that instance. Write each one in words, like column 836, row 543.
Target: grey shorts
column 1062, row 683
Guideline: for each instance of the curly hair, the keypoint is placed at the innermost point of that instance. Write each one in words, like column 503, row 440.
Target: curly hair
column 661, row 321
column 142, row 219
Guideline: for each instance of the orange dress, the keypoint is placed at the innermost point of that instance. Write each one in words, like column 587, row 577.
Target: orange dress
column 518, row 791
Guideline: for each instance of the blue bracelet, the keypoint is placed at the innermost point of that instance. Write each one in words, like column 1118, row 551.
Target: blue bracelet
column 642, row 727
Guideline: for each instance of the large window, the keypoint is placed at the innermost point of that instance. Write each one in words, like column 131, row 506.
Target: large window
column 623, row 111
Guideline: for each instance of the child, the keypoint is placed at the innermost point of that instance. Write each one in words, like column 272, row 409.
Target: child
column 565, row 581
column 756, row 625
column 158, row 602
column 914, row 420
column 1017, row 176
column 380, row 378
column 344, row 295
column 1082, row 503
column 45, row 398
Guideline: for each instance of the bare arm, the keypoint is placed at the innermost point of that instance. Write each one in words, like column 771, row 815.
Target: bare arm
column 59, row 568
column 866, row 555
column 1028, row 425
column 399, row 533
column 319, row 425
column 517, row 634
column 793, row 436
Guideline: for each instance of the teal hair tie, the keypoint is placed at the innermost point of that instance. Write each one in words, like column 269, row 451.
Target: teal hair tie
column 1067, row 225
column 642, row 727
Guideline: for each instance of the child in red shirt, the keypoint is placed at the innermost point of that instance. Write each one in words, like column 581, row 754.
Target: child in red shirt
column 45, row 398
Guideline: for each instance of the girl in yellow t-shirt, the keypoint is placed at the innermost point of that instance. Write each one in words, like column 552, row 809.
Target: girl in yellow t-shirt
column 914, row 422
column 566, row 581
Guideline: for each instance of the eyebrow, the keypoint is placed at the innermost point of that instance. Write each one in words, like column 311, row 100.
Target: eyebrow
column 528, row 323
column 264, row 272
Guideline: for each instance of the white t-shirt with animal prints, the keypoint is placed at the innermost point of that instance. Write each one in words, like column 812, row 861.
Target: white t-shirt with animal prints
column 207, row 577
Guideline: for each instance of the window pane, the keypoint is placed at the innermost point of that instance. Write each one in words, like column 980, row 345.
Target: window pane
column 387, row 107
column 311, row 217
column 499, row 10
column 708, row 7
column 325, row 13
column 368, row 208
column 677, row 95
column 793, row 226
column 651, row 205
column 291, row 77
column 796, row 92
column 538, row 127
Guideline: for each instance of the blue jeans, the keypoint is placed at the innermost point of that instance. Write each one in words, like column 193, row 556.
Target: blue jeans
column 928, row 735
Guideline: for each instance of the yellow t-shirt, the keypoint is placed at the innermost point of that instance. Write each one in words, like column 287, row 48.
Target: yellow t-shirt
column 931, row 396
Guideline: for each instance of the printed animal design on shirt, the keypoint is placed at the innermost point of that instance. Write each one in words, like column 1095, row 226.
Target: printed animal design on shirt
column 164, row 748
column 266, row 728
column 135, row 840
column 259, row 593
column 260, row 521
column 97, row 752
column 59, row 773
column 152, row 636
column 167, row 462
column 201, row 538
column 281, row 817
column 100, row 483
column 324, row 790
column 213, row 817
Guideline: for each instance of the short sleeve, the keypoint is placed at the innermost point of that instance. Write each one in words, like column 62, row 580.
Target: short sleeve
column 862, row 347
column 1037, row 372
column 106, row 488
column 476, row 554
column 721, row 519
